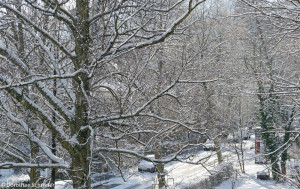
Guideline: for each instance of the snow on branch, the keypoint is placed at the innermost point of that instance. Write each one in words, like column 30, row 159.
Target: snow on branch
column 58, row 12
column 171, row 29
column 172, row 121
column 127, row 134
column 54, row 101
column 9, row 165
column 113, row 9
column 39, row 29
column 156, row 39
column 276, row 10
column 16, row 149
column 196, row 81
column 141, row 156
column 12, row 57
column 45, row 78
column 34, row 108
column 12, row 154
column 31, row 135
column 145, row 105
column 139, row 110
column 174, row 157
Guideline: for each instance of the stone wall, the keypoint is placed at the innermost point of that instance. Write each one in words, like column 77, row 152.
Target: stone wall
column 223, row 172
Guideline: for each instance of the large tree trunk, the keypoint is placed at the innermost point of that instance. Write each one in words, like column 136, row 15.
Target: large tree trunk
column 81, row 153
column 80, row 167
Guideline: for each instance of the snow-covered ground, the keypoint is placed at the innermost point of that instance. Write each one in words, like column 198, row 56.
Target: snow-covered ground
column 8, row 177
column 180, row 175
column 248, row 180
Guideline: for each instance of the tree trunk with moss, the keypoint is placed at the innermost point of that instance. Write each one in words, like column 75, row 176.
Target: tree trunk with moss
column 284, row 155
column 267, row 114
column 81, row 153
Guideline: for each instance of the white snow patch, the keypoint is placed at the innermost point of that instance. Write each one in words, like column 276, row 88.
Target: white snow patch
column 64, row 184
column 6, row 172
column 11, row 178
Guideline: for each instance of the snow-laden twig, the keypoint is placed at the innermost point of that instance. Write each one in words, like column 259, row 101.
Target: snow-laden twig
column 9, row 165
column 12, row 154
column 29, row 104
column 45, row 78
column 136, row 112
column 173, row 121
column 115, row 8
column 53, row 100
column 39, row 29
column 66, row 17
column 134, row 153
column 157, row 39
column 32, row 137
column 197, row 81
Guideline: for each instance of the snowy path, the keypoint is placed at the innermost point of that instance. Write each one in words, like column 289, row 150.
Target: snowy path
column 185, row 174
column 179, row 174
column 248, row 180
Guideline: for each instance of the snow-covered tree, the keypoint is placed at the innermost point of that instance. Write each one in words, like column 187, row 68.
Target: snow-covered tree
column 271, row 59
column 95, row 106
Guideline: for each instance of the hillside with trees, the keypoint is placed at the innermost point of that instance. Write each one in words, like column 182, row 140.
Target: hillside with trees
column 90, row 87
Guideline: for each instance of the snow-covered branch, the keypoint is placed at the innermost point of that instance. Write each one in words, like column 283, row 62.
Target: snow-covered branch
column 45, row 78
column 42, row 88
column 38, row 28
column 172, row 121
column 29, row 104
column 136, row 154
column 31, row 135
column 138, row 111
column 12, row 154
column 156, row 39
column 196, row 81
column 58, row 12
column 9, row 165
column 115, row 7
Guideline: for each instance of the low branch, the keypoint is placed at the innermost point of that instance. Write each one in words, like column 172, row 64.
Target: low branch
column 9, row 165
